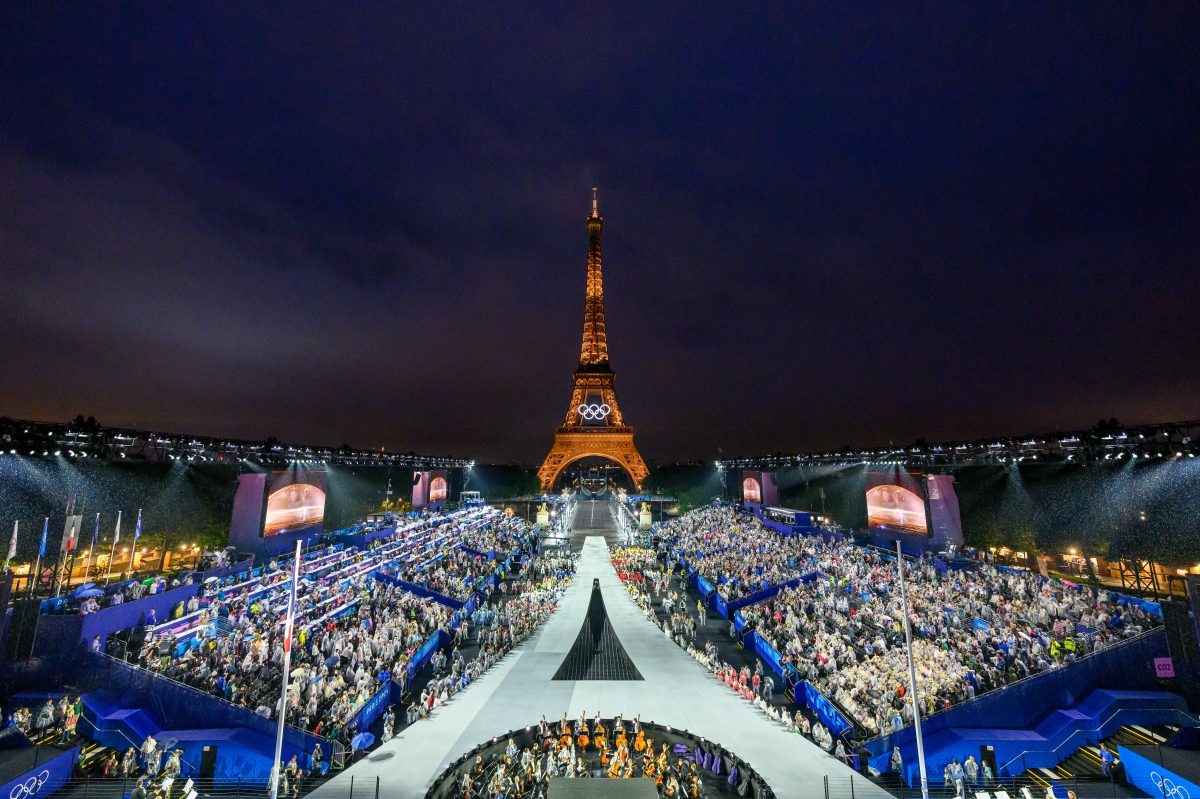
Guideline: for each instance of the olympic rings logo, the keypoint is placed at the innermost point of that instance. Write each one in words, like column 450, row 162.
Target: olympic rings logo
column 594, row 412
column 30, row 787
column 1169, row 789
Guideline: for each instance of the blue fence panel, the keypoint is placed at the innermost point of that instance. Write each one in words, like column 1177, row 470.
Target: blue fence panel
column 767, row 652
column 725, row 607
column 42, row 779
column 421, row 591
column 837, row 724
column 1155, row 778
column 112, row 619
column 373, row 709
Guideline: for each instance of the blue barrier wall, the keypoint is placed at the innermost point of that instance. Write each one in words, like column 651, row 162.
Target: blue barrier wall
column 725, row 608
column 373, row 709
column 361, row 540
column 439, row 640
column 221, row 573
column 1060, row 733
column 1155, row 778
column 822, row 708
column 767, row 593
column 41, row 779
column 176, row 706
column 57, row 633
column 241, row 754
column 421, row 591
column 130, row 614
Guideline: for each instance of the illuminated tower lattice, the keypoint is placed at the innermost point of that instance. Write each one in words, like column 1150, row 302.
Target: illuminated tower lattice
column 594, row 426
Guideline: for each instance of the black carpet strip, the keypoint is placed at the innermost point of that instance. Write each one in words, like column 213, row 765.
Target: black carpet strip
column 597, row 653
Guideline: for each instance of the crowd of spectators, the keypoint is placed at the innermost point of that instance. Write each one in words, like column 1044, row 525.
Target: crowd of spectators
column 499, row 628
column 456, row 573
column 500, row 537
column 974, row 630
column 337, row 665
column 355, row 627
column 735, row 552
column 645, row 581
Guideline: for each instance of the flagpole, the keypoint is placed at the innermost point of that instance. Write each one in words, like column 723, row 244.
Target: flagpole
column 287, row 662
column 912, row 676
column 12, row 545
column 137, row 533
column 112, row 552
column 91, row 550
column 41, row 551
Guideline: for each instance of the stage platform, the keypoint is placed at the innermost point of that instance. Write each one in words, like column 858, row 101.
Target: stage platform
column 564, row 788
column 675, row 690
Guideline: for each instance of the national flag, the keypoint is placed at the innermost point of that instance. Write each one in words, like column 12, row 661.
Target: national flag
column 45, row 530
column 137, row 533
column 96, row 533
column 69, row 532
column 12, row 542
column 117, row 532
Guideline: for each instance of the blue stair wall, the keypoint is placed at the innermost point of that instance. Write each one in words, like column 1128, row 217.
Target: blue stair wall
column 1048, row 742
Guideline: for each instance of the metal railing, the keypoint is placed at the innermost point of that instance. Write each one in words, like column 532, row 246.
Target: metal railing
column 1098, row 787
column 1192, row 721
column 99, row 787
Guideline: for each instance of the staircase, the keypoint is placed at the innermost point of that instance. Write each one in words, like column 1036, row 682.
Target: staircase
column 1083, row 765
column 92, row 755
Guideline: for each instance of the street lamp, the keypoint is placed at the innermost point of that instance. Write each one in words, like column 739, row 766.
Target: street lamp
column 912, row 675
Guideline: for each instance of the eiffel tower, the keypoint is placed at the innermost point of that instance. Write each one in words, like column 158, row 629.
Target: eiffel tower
column 594, row 426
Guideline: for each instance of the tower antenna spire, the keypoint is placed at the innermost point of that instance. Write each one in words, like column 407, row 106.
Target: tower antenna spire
column 594, row 425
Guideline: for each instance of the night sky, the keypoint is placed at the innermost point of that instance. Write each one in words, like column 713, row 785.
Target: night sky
column 364, row 223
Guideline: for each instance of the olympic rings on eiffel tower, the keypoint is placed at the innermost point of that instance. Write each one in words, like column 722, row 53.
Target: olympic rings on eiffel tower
column 594, row 412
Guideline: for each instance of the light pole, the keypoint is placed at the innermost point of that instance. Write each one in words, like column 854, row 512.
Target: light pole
column 287, row 662
column 912, row 675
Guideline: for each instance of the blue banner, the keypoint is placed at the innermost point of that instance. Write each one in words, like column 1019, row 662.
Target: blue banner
column 766, row 652
column 825, row 711
column 373, row 709
column 44, row 778
column 420, row 590
column 1153, row 778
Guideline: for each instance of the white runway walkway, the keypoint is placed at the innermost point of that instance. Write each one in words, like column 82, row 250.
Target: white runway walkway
column 676, row 690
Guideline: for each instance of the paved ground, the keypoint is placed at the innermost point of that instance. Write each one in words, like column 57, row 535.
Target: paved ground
column 676, row 690
column 715, row 629
column 593, row 518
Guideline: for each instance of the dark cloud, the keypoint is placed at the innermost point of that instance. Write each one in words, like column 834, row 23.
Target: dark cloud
column 340, row 223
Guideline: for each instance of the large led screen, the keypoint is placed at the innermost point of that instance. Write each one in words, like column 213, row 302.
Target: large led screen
column 296, row 502
column 896, row 501
column 751, row 490
column 437, row 489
